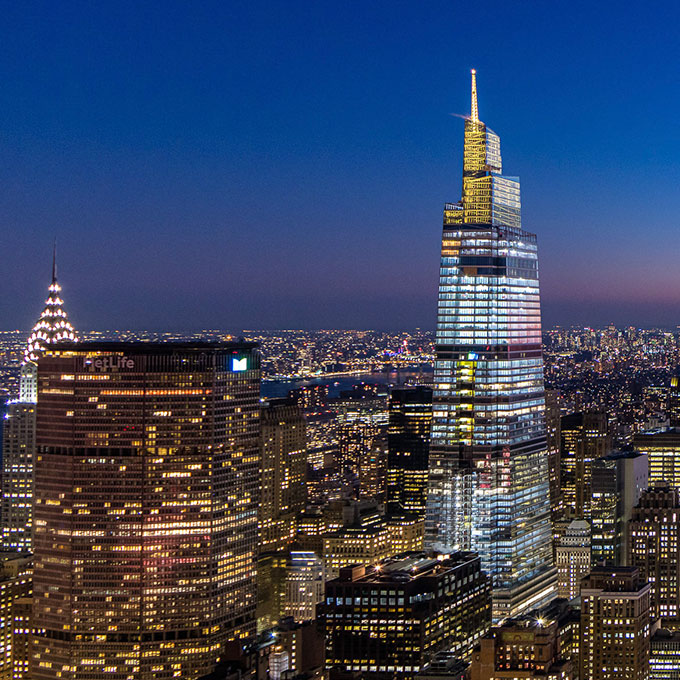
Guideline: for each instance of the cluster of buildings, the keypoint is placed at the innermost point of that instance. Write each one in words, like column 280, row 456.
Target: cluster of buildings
column 159, row 519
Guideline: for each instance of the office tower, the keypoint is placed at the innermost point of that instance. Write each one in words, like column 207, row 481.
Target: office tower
column 16, row 507
column 584, row 438
column 373, row 471
column 15, row 598
column 305, row 584
column 271, row 585
column 361, row 421
column 617, row 482
column 615, row 626
column 408, row 442
column 387, row 622
column 664, row 655
column 16, row 510
column 521, row 648
column 284, row 466
column 572, row 558
column 489, row 483
column 146, row 492
column 662, row 448
column 673, row 407
column 552, row 429
column 653, row 543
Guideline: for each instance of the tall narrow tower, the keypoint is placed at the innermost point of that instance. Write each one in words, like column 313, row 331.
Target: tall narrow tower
column 489, row 488
column 16, row 506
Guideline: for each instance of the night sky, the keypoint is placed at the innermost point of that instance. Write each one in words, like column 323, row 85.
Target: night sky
column 284, row 164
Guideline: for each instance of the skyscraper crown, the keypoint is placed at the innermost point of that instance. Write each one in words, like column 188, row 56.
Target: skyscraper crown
column 53, row 324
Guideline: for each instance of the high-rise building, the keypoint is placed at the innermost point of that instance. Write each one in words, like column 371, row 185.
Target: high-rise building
column 387, row 622
column 408, row 441
column 664, row 656
column 662, row 448
column 373, row 471
column 146, row 492
column 16, row 507
column 489, row 482
column 305, row 583
column 15, row 599
column 615, row 626
column 584, row 437
column 618, row 479
column 526, row 648
column 552, row 428
column 653, row 545
column 572, row 557
column 284, row 466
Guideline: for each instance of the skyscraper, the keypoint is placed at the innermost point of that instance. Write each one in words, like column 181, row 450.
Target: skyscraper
column 284, row 465
column 653, row 543
column 408, row 441
column 572, row 558
column 146, row 489
column 584, row 438
column 615, row 627
column 489, row 484
column 16, row 508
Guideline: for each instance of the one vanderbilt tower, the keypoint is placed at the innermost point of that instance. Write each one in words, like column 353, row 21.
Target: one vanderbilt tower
column 488, row 488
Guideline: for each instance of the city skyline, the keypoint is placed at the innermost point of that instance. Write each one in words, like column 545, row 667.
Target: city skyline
column 188, row 150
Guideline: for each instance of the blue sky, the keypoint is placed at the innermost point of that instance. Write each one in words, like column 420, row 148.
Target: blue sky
column 285, row 164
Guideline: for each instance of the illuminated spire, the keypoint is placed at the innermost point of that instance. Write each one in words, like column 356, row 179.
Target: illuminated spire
column 474, row 115
column 53, row 324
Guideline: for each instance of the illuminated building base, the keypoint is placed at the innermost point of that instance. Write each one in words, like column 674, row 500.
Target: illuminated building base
column 508, row 603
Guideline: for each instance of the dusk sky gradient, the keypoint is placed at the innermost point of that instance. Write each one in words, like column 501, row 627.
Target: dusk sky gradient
column 285, row 164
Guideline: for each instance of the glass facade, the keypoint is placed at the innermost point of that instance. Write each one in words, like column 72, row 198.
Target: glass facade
column 489, row 483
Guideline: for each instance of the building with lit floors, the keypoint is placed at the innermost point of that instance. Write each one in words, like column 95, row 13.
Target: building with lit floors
column 388, row 621
column 489, row 479
column 15, row 606
column 18, row 447
column 572, row 558
column 653, row 547
column 284, row 465
column 664, row 656
column 408, row 440
column 525, row 648
column 615, row 625
column 146, row 493
column 618, row 479
column 305, row 582
column 584, row 438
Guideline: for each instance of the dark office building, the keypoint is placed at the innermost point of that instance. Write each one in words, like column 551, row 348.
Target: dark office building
column 584, row 438
column 388, row 621
column 146, row 492
column 617, row 482
column 408, row 440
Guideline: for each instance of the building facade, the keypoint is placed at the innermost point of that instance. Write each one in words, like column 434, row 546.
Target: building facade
column 572, row 557
column 284, row 467
column 489, row 480
column 653, row 545
column 615, row 625
column 617, row 482
column 388, row 622
column 528, row 649
column 584, row 438
column 146, row 492
column 408, row 439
